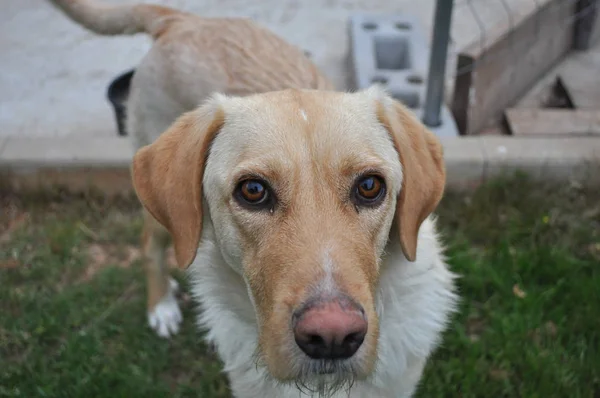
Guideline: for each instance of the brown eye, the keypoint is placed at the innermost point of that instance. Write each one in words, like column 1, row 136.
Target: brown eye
column 253, row 191
column 369, row 190
column 254, row 194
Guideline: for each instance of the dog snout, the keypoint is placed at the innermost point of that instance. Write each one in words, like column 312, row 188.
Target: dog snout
column 334, row 329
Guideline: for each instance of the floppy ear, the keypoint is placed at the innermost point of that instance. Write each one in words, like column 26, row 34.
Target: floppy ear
column 423, row 170
column 167, row 177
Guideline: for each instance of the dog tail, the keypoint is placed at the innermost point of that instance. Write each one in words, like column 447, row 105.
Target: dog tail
column 119, row 19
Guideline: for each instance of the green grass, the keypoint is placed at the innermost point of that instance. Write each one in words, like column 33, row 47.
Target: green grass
column 72, row 319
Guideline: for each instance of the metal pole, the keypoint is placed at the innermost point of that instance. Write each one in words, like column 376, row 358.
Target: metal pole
column 437, row 63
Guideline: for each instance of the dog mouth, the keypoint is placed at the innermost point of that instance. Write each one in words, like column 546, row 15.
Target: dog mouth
column 326, row 377
column 326, row 371
column 325, row 367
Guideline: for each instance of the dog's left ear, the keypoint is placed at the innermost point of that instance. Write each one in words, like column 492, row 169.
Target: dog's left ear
column 423, row 170
column 167, row 177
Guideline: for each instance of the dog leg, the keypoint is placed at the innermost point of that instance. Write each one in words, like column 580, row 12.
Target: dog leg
column 164, row 315
column 150, row 111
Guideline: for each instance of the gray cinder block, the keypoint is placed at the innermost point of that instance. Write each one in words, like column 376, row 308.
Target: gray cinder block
column 391, row 50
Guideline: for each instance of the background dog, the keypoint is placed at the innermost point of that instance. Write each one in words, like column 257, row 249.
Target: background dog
column 191, row 58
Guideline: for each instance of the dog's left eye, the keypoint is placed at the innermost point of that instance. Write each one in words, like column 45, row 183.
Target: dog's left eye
column 369, row 190
column 253, row 193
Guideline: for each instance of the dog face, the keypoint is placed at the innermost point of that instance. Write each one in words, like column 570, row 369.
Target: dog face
column 302, row 189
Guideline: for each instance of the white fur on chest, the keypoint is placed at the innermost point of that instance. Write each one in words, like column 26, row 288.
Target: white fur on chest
column 414, row 303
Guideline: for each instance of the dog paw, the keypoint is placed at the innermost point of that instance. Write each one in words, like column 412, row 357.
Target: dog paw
column 174, row 285
column 166, row 317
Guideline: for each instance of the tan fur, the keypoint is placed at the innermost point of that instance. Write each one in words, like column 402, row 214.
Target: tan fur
column 191, row 58
column 118, row 20
column 231, row 55
column 311, row 162
column 155, row 240
column 424, row 173
column 174, row 201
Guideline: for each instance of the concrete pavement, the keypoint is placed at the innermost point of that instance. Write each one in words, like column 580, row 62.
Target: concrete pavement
column 54, row 74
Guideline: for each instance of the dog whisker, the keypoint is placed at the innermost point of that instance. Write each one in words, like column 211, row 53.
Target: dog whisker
column 324, row 378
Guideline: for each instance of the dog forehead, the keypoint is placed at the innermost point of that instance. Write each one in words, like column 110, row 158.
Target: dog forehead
column 297, row 122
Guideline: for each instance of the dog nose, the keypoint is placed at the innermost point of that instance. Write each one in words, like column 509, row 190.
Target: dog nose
column 331, row 330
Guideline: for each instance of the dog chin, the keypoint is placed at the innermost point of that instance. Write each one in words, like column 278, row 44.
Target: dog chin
column 317, row 377
column 323, row 378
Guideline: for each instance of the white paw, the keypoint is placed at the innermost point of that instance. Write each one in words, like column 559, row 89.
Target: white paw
column 166, row 317
column 174, row 285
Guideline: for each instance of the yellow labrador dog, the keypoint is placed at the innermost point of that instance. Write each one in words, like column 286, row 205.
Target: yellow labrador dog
column 191, row 58
column 304, row 217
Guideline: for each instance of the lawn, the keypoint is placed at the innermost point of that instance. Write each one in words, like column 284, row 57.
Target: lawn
column 72, row 301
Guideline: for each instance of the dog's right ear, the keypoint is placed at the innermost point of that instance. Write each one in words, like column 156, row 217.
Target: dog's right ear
column 167, row 176
column 423, row 168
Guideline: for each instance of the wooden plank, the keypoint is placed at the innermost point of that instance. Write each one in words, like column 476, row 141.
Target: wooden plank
column 541, row 94
column 575, row 80
column 580, row 76
column 509, row 63
column 462, row 94
column 553, row 122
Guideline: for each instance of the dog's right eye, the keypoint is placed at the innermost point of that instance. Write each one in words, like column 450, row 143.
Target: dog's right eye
column 254, row 193
column 369, row 191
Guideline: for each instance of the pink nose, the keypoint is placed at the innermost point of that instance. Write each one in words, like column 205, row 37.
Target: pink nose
column 330, row 330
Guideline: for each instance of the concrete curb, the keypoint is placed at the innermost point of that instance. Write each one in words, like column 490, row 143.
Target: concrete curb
column 80, row 164
column 74, row 163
